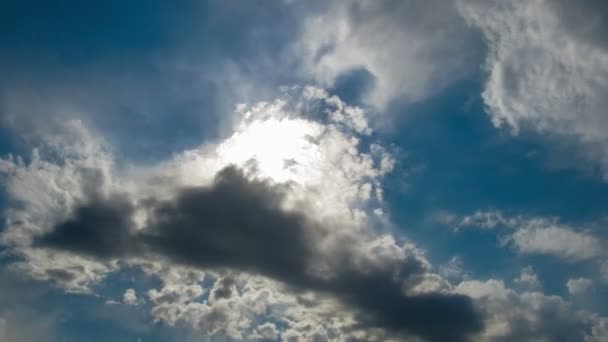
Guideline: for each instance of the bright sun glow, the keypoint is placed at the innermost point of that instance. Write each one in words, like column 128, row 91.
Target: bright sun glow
column 283, row 149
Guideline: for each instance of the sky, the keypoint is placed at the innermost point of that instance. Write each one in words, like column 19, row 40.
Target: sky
column 294, row 170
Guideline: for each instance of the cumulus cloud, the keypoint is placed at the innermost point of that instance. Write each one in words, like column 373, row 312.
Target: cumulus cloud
column 530, row 316
column 266, row 331
column 250, row 246
column 239, row 224
column 558, row 241
column 579, row 286
column 410, row 49
column 547, row 70
column 528, row 278
column 538, row 235
column 129, row 297
column 297, row 215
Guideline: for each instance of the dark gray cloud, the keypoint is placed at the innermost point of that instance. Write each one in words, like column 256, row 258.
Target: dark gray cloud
column 234, row 223
column 101, row 228
column 239, row 224
column 223, row 288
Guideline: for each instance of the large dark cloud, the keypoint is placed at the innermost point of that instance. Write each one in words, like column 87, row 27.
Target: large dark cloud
column 101, row 228
column 234, row 223
column 239, row 224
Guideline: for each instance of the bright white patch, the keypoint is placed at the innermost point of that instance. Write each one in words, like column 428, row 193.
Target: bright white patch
column 283, row 149
column 322, row 162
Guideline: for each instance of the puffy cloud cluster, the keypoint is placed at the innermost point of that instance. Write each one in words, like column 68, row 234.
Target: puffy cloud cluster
column 547, row 68
column 275, row 232
column 579, row 286
column 530, row 316
column 409, row 49
column 288, row 202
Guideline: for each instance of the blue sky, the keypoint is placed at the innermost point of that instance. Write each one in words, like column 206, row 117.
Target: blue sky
column 304, row 170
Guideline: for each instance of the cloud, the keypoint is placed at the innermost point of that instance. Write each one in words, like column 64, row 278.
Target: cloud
column 546, row 68
column 305, row 224
column 528, row 278
column 101, row 230
column 579, row 286
column 530, row 316
column 129, row 297
column 538, row 235
column 557, row 241
column 411, row 49
column 482, row 219
column 266, row 331
column 239, row 224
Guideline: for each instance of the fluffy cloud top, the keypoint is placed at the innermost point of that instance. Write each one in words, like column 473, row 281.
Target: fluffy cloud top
column 579, row 286
column 546, row 68
column 410, row 48
column 230, row 207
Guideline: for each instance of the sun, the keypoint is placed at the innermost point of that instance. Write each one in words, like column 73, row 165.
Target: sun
column 284, row 149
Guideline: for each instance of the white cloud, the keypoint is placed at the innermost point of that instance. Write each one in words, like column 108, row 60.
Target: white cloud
column 528, row 279
column 540, row 73
column 538, row 235
column 71, row 165
column 579, row 286
column 129, row 297
column 277, row 141
column 412, row 48
column 530, row 316
column 453, row 269
column 558, row 241
column 329, row 178
column 253, row 299
column 599, row 331
column 482, row 219
column 266, row 331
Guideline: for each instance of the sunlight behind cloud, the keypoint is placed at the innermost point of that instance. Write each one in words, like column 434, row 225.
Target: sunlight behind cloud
column 281, row 149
